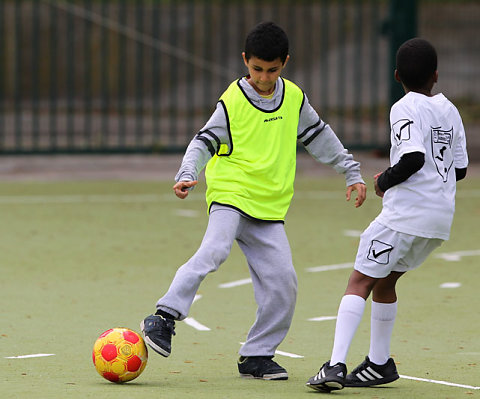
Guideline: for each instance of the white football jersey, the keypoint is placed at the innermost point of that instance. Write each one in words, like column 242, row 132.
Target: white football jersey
column 424, row 204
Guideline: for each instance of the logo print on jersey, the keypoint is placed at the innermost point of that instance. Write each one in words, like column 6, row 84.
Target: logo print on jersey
column 401, row 130
column 379, row 252
column 442, row 150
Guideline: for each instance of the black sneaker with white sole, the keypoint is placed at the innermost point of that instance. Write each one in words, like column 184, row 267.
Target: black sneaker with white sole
column 329, row 378
column 369, row 374
column 157, row 331
column 262, row 367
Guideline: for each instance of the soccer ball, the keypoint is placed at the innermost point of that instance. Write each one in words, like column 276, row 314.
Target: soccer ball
column 119, row 355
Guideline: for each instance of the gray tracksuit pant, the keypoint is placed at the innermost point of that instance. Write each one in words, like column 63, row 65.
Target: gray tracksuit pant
column 267, row 250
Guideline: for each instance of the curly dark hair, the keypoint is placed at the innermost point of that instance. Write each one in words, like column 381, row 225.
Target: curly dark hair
column 267, row 41
column 416, row 63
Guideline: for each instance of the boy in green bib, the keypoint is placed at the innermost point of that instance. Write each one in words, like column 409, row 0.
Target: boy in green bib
column 249, row 149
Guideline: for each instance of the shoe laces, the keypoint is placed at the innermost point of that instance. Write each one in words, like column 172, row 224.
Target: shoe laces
column 170, row 325
column 362, row 366
column 166, row 325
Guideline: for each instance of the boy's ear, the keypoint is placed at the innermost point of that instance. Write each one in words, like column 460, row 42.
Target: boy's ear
column 286, row 61
column 397, row 76
column 435, row 77
column 245, row 59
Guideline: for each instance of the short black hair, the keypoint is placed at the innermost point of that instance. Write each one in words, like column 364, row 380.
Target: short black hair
column 267, row 41
column 416, row 63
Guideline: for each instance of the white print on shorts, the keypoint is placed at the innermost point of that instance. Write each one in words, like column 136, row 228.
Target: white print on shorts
column 379, row 252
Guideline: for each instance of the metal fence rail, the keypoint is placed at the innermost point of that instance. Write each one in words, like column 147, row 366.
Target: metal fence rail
column 144, row 76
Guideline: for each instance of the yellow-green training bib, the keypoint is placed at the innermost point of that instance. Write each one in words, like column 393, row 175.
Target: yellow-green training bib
column 257, row 174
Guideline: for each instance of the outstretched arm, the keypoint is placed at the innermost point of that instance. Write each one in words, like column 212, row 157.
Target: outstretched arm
column 200, row 150
column 323, row 145
column 328, row 149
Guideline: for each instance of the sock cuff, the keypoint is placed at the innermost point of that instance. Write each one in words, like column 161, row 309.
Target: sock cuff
column 353, row 303
column 384, row 311
column 168, row 313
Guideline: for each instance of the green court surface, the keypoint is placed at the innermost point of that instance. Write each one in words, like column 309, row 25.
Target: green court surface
column 78, row 258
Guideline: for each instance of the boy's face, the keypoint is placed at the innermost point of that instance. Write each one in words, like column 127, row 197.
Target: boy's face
column 264, row 74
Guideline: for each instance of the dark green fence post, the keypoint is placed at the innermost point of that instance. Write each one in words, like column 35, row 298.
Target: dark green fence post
column 18, row 81
column 3, row 86
column 402, row 25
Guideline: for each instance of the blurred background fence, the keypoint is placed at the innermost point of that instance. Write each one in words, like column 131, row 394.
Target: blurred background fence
column 113, row 76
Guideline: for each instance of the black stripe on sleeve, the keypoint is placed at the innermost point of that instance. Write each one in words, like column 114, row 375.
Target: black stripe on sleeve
column 314, row 135
column 212, row 135
column 301, row 135
column 209, row 145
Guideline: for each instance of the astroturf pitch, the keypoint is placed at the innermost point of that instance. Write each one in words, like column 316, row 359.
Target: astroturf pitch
column 78, row 258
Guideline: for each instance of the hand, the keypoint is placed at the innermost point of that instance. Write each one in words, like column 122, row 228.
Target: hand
column 181, row 188
column 361, row 190
column 378, row 191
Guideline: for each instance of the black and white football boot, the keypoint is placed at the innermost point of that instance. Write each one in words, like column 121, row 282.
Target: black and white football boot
column 369, row 374
column 329, row 378
column 157, row 331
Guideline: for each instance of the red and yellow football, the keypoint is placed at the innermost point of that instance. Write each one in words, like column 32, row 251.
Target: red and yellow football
column 119, row 354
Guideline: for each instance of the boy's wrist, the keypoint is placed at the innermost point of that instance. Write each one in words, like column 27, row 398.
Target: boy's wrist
column 184, row 177
column 353, row 178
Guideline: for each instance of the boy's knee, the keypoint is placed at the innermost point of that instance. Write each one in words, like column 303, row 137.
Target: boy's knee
column 213, row 255
column 285, row 284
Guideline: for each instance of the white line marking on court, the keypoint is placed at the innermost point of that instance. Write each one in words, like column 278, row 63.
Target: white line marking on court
column 288, row 354
column 30, row 356
column 187, row 213
column 78, row 199
column 352, row 233
column 450, row 285
column 91, row 199
column 329, row 267
column 124, row 198
column 195, row 324
column 236, row 283
column 281, row 353
column 196, row 298
column 457, row 256
column 147, row 198
column 323, row 318
column 451, row 384
column 121, row 198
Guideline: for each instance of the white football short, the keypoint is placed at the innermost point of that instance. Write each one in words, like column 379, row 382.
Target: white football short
column 382, row 250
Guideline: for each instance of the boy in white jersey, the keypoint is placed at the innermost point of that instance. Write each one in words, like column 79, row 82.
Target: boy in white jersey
column 249, row 147
column 428, row 155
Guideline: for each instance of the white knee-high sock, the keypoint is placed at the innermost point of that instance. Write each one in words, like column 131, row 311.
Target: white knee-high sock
column 382, row 321
column 349, row 315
